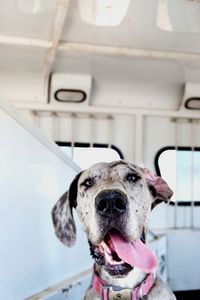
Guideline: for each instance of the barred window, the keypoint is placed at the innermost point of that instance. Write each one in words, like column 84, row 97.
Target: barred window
column 180, row 167
column 85, row 155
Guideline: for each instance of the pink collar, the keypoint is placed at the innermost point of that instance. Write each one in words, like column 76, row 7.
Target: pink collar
column 109, row 292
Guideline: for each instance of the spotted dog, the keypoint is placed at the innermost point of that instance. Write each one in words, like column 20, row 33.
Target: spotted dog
column 113, row 202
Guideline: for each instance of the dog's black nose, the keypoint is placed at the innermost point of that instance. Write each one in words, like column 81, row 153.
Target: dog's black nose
column 111, row 202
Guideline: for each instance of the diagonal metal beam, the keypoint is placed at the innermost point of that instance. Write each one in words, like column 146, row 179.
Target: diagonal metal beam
column 129, row 52
column 23, row 42
column 58, row 24
column 52, row 48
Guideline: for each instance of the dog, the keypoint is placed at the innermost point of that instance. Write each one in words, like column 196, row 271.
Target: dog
column 113, row 202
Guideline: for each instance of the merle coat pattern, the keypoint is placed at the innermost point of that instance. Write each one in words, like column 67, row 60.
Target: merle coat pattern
column 138, row 192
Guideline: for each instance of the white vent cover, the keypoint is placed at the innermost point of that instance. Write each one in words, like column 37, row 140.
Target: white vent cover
column 70, row 88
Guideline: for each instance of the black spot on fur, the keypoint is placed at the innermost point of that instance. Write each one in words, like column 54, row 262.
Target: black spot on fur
column 155, row 203
column 54, row 216
column 67, row 226
column 71, row 224
column 68, row 237
column 82, row 194
column 73, row 191
column 153, row 191
column 63, row 199
column 57, row 208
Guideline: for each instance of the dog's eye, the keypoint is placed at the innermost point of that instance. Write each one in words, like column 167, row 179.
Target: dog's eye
column 132, row 177
column 88, row 182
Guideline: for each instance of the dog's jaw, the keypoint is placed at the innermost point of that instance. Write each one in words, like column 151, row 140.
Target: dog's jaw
column 129, row 280
column 105, row 255
column 109, row 261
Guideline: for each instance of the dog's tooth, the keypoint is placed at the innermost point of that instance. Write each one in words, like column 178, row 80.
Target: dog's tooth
column 105, row 247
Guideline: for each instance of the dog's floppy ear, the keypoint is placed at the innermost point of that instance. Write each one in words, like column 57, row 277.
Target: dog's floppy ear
column 62, row 215
column 158, row 188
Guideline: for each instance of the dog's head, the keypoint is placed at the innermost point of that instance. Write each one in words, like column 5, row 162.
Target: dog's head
column 110, row 198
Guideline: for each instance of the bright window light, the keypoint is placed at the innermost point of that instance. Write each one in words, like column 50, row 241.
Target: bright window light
column 35, row 6
column 178, row 16
column 103, row 12
column 85, row 157
column 163, row 19
column 180, row 169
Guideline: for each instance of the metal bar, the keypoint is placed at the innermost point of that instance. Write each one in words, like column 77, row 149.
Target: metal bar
column 73, row 133
column 176, row 148
column 61, row 12
column 192, row 175
column 96, row 49
column 55, row 131
column 129, row 52
column 25, row 42
column 61, row 285
column 139, row 132
column 111, row 130
column 39, row 107
column 92, row 130
column 35, row 118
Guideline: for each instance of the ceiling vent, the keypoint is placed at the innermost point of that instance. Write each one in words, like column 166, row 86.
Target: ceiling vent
column 191, row 97
column 193, row 103
column 70, row 88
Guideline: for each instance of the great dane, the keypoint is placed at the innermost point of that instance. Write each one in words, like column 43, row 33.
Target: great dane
column 113, row 202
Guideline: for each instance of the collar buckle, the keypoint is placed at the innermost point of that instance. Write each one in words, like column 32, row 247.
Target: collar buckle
column 116, row 293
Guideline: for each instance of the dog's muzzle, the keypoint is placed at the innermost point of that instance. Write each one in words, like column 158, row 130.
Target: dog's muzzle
column 111, row 203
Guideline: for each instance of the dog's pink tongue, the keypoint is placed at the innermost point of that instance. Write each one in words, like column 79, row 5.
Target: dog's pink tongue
column 136, row 254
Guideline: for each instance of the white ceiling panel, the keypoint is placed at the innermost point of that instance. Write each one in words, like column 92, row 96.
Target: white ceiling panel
column 39, row 37
column 21, row 58
column 27, row 18
column 139, row 28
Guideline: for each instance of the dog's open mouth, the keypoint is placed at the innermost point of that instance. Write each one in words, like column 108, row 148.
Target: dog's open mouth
column 119, row 256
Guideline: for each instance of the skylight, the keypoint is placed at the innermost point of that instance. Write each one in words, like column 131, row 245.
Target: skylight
column 103, row 12
column 178, row 16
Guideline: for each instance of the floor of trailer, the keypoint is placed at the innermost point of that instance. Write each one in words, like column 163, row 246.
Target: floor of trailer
column 194, row 295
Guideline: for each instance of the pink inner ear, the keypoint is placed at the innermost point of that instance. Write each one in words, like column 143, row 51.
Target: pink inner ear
column 162, row 189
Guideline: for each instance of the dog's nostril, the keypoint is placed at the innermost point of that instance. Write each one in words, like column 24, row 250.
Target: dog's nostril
column 119, row 205
column 102, row 205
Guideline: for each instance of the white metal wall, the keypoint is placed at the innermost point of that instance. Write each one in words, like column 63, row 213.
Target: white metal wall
column 34, row 173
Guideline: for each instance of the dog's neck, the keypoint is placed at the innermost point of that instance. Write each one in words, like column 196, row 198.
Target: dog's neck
column 130, row 280
column 135, row 285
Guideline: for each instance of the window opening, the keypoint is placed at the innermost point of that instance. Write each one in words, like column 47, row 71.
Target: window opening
column 84, row 155
column 180, row 167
